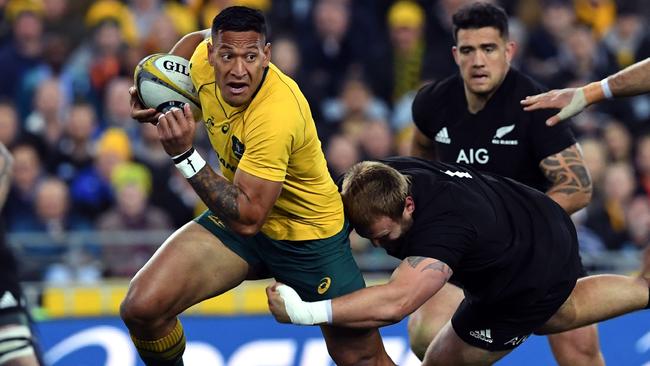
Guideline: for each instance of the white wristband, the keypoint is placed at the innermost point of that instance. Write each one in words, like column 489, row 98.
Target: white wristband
column 606, row 90
column 189, row 162
column 305, row 313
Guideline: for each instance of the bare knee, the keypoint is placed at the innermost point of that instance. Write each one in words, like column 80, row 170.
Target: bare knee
column 577, row 347
column 420, row 335
column 145, row 308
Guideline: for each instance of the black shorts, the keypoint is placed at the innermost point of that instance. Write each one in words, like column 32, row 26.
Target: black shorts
column 11, row 300
column 498, row 329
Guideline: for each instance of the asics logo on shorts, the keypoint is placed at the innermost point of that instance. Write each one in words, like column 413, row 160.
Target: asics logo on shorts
column 484, row 335
column 324, row 285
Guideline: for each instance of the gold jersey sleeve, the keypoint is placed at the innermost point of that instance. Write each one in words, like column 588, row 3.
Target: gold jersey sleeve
column 273, row 138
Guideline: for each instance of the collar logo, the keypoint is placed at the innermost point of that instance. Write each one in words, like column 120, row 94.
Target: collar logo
column 324, row 285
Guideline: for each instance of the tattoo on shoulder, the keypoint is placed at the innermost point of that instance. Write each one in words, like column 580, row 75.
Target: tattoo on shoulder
column 219, row 195
column 567, row 171
column 435, row 266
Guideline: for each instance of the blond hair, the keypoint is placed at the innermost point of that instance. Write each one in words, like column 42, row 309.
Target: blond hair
column 371, row 190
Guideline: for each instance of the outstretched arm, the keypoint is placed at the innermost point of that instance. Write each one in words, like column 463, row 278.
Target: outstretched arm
column 632, row 80
column 412, row 283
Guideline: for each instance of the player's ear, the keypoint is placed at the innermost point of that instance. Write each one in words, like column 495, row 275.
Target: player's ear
column 511, row 50
column 454, row 52
column 409, row 205
column 267, row 54
column 211, row 55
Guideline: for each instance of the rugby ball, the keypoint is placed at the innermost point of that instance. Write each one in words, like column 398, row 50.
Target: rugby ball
column 163, row 81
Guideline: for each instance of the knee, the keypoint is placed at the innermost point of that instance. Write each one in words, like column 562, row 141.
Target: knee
column 420, row 336
column 349, row 357
column 577, row 347
column 143, row 308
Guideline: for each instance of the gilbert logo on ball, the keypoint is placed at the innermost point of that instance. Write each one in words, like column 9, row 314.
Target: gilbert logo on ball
column 163, row 81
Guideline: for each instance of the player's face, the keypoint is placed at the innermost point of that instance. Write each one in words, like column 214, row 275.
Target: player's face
column 386, row 232
column 239, row 60
column 483, row 57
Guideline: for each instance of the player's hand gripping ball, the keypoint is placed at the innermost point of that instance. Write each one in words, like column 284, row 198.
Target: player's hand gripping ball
column 163, row 81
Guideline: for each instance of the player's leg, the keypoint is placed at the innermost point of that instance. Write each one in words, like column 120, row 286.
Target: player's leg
column 577, row 347
column 358, row 347
column 597, row 298
column 323, row 269
column 192, row 265
column 17, row 346
column 427, row 321
column 449, row 349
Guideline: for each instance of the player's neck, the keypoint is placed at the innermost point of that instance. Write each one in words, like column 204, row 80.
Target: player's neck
column 476, row 102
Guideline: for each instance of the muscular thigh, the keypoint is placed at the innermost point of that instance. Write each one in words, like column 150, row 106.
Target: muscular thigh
column 192, row 265
column 449, row 349
column 427, row 320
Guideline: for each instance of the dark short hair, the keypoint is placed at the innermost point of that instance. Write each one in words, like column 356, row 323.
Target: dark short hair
column 239, row 19
column 480, row 15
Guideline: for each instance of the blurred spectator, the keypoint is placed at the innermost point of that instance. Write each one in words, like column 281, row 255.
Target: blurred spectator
column 60, row 21
column 46, row 120
column 439, row 62
column 400, row 70
column 286, row 56
column 132, row 211
column 328, row 50
column 618, row 142
column 355, row 103
column 341, row 154
column 638, row 219
column 91, row 189
column 25, row 50
column 75, row 151
column 9, row 124
column 628, row 39
column 376, row 140
column 117, row 108
column 161, row 35
column 65, row 260
column 541, row 60
column 598, row 14
column 606, row 217
column 594, row 154
column 27, row 173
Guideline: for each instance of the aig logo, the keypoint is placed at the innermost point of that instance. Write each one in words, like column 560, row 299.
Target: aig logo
column 472, row 156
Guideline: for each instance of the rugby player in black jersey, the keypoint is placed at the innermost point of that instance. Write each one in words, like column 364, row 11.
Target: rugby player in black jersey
column 17, row 346
column 512, row 249
column 476, row 118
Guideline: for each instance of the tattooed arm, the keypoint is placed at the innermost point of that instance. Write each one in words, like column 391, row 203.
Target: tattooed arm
column 571, row 181
column 6, row 165
column 412, row 283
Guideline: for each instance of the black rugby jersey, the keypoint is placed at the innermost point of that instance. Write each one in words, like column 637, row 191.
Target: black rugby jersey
column 507, row 244
column 8, row 267
column 502, row 138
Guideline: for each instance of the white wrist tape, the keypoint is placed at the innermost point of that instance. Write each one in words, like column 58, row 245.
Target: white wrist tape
column 189, row 162
column 305, row 313
column 606, row 90
column 575, row 106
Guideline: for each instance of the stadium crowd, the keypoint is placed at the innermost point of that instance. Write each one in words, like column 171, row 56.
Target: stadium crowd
column 82, row 165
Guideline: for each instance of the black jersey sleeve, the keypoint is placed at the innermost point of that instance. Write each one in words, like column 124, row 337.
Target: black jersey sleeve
column 425, row 103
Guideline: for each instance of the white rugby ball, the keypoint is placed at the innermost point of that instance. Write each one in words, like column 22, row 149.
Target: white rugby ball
column 163, row 81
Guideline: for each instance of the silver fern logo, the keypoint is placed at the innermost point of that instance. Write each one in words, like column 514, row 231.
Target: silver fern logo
column 502, row 131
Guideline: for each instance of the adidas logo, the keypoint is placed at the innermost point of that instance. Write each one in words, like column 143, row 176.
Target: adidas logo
column 443, row 136
column 484, row 335
column 8, row 301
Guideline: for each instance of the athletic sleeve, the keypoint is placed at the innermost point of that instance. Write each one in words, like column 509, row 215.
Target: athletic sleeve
column 422, row 107
column 547, row 141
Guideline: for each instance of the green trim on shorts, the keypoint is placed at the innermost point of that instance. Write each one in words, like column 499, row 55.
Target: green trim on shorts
column 317, row 269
